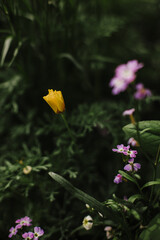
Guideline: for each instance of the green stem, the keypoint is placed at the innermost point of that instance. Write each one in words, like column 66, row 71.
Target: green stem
column 155, row 172
column 126, row 227
column 67, row 126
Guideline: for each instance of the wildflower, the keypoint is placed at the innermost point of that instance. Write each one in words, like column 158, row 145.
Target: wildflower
column 120, row 149
column 28, row 235
column 55, row 101
column 125, row 150
column 118, row 84
column 130, row 113
column 132, row 166
column 87, row 222
column 131, row 153
column 124, row 75
column 127, row 71
column 13, row 231
column 109, row 232
column 118, row 178
column 23, row 222
column 27, row 169
column 133, row 142
column 38, row 232
column 141, row 92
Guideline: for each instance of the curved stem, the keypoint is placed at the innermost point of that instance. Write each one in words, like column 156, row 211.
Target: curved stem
column 67, row 126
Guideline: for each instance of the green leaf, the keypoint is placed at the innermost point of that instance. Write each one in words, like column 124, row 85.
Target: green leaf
column 149, row 133
column 151, row 183
column 5, row 49
column 133, row 198
column 127, row 176
column 16, row 51
column 152, row 231
column 135, row 214
column 72, row 59
column 79, row 194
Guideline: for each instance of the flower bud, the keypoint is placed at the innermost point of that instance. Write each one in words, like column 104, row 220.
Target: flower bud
column 55, row 100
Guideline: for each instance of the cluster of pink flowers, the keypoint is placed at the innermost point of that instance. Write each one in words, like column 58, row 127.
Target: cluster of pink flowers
column 124, row 75
column 26, row 221
column 131, row 166
column 125, row 150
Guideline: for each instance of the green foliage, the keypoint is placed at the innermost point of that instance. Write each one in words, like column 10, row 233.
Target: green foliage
column 73, row 46
column 147, row 133
column 152, row 231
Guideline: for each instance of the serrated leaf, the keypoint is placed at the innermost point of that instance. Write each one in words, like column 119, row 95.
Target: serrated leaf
column 149, row 132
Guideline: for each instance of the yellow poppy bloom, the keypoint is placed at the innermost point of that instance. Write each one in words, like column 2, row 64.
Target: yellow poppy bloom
column 55, row 100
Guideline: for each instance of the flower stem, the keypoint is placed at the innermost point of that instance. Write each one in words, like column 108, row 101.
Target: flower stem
column 155, row 165
column 67, row 126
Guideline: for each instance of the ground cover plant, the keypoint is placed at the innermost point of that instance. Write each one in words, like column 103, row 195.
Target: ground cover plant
column 79, row 126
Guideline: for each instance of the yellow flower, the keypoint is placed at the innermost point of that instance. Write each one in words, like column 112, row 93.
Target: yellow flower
column 55, row 100
column 27, row 169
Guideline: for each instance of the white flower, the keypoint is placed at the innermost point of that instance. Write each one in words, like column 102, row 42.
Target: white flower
column 87, row 222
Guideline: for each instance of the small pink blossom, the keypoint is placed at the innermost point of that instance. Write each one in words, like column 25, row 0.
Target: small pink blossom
column 120, row 149
column 28, row 235
column 125, row 150
column 13, row 231
column 38, row 232
column 118, row 178
column 133, row 142
column 141, row 92
column 124, row 75
column 25, row 221
column 109, row 233
column 128, row 112
column 132, row 167
column 118, row 84
column 131, row 153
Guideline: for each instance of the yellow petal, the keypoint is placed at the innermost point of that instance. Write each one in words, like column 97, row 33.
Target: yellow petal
column 55, row 100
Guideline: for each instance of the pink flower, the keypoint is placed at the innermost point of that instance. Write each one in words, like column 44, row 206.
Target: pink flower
column 133, row 142
column 125, row 150
column 38, row 232
column 141, row 92
column 131, row 153
column 109, row 233
column 28, row 235
column 25, row 221
column 132, row 167
column 120, row 149
column 13, row 231
column 118, row 84
column 128, row 112
column 124, row 75
column 118, row 178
